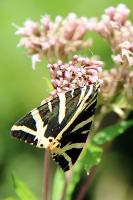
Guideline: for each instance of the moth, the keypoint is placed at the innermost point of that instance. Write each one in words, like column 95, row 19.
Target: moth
column 61, row 125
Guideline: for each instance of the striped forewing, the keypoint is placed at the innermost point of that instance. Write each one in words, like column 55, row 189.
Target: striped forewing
column 61, row 124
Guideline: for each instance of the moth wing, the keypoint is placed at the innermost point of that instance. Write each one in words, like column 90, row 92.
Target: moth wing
column 61, row 124
column 71, row 141
column 42, row 125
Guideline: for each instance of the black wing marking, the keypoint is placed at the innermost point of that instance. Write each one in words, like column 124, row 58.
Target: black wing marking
column 74, row 138
column 61, row 124
column 41, row 126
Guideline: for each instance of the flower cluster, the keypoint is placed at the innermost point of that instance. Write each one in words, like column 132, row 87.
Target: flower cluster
column 115, row 27
column 58, row 41
column 117, row 90
column 56, row 38
column 59, row 38
column 78, row 72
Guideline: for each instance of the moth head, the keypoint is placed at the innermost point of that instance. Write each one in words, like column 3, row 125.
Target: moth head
column 44, row 142
column 54, row 146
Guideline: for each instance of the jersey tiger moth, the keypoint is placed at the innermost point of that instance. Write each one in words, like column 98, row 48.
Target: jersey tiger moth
column 62, row 124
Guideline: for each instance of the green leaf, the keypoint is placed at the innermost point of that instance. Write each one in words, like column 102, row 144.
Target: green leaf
column 58, row 184
column 92, row 156
column 21, row 189
column 111, row 132
column 93, row 152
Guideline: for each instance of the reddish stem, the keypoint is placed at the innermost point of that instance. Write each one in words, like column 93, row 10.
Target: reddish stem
column 64, row 190
column 46, row 175
column 83, row 190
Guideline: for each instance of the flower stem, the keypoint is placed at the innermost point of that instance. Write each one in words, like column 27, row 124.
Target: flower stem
column 87, row 184
column 46, row 175
column 64, row 190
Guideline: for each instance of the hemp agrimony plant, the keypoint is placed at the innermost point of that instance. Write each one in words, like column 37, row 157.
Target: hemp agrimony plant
column 59, row 42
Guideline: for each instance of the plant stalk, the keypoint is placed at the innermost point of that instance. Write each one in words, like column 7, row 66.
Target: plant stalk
column 46, row 175
column 87, row 184
column 64, row 190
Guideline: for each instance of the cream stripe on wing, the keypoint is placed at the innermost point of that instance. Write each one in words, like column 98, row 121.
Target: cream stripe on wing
column 68, row 147
column 79, row 110
column 39, row 122
column 84, row 132
column 50, row 106
column 23, row 128
column 62, row 107
column 40, row 133
column 68, row 159
column 72, row 146
column 72, row 92
column 83, row 90
column 83, row 123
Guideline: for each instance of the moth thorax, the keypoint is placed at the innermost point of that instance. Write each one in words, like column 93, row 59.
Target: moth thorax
column 43, row 142
column 53, row 146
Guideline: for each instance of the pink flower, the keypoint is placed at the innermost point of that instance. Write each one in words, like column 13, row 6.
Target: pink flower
column 56, row 38
column 78, row 72
column 30, row 27
column 125, row 53
column 35, row 59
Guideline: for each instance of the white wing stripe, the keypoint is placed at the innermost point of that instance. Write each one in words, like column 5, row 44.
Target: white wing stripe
column 79, row 110
column 83, row 90
column 83, row 123
column 24, row 128
column 62, row 107
column 50, row 106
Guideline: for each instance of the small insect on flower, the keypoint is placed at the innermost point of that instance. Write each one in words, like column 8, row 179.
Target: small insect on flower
column 62, row 124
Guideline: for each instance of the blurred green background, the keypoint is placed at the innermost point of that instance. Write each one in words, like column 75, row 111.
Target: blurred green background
column 22, row 89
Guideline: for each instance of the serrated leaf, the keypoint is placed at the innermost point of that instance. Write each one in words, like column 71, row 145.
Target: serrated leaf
column 111, row 132
column 22, row 190
column 58, row 184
